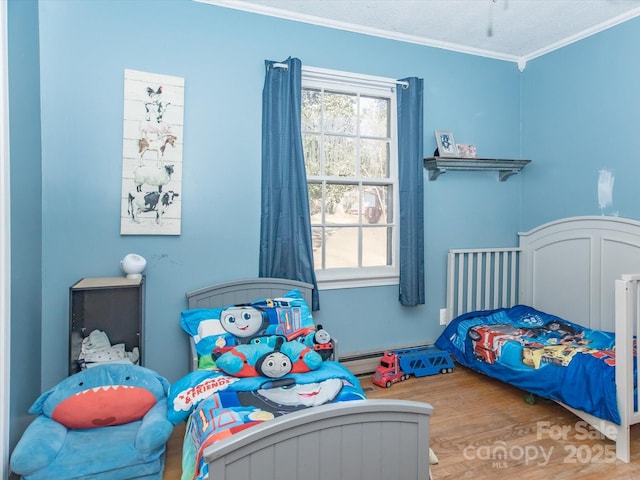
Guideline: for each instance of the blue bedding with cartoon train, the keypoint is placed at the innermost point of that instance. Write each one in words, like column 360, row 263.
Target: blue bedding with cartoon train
column 257, row 361
column 216, row 405
column 539, row 353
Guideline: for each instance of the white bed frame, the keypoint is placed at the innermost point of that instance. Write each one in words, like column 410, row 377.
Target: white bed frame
column 368, row 439
column 578, row 268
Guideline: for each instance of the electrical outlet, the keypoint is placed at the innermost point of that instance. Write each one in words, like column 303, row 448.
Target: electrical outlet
column 443, row 316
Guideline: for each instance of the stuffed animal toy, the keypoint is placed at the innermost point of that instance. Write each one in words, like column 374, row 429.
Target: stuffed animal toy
column 68, row 439
column 261, row 320
column 273, row 357
column 320, row 341
column 244, row 322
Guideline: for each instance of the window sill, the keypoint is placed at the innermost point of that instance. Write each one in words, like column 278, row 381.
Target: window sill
column 341, row 283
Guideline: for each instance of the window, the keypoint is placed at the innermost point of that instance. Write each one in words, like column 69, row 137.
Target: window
column 350, row 148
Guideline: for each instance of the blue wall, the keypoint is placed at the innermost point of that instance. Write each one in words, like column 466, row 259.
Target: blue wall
column 573, row 112
column 569, row 106
column 581, row 114
column 85, row 48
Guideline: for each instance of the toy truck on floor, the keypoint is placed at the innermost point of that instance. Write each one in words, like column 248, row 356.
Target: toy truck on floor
column 398, row 365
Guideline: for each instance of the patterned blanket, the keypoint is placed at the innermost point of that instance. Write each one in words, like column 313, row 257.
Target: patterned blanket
column 539, row 353
column 217, row 405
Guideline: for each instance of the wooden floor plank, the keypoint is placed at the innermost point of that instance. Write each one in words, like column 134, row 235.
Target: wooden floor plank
column 476, row 418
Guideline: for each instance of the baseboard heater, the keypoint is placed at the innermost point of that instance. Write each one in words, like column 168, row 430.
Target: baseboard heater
column 365, row 363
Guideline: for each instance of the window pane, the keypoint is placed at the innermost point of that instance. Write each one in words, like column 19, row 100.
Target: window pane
column 315, row 202
column 351, row 173
column 374, row 158
column 340, row 203
column 375, row 247
column 342, row 247
column 387, row 204
column 374, row 117
column 316, row 239
column 311, row 110
column 339, row 157
column 375, row 204
column 311, row 147
column 340, row 113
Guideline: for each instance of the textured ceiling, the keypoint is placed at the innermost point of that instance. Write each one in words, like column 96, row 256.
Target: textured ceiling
column 516, row 30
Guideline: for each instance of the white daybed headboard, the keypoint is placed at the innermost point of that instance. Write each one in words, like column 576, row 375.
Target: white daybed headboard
column 567, row 267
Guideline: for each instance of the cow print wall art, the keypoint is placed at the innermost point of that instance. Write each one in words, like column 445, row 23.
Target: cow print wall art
column 152, row 154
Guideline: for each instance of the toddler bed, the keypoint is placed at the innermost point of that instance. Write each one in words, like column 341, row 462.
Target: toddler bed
column 556, row 317
column 320, row 425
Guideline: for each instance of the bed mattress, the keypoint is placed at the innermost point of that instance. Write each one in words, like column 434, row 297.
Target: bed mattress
column 540, row 353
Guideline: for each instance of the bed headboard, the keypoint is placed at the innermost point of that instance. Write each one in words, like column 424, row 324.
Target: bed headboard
column 568, row 267
column 242, row 291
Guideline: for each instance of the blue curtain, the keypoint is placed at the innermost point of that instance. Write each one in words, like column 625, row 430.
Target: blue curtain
column 285, row 225
column 411, row 180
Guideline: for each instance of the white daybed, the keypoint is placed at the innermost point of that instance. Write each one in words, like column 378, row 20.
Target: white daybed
column 580, row 269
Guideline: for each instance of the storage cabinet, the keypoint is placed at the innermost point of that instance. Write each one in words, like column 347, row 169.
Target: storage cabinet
column 114, row 305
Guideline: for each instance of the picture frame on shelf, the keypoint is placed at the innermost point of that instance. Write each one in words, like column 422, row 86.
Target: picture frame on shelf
column 446, row 143
column 467, row 150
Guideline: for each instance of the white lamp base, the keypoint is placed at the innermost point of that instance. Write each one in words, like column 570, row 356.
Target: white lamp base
column 133, row 265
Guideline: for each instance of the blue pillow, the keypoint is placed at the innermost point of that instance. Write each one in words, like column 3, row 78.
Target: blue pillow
column 226, row 327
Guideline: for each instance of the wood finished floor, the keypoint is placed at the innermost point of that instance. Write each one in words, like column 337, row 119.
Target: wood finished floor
column 474, row 416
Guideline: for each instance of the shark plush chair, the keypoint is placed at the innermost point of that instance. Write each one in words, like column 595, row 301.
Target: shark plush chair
column 107, row 422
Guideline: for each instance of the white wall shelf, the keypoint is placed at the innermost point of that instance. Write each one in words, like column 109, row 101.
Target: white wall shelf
column 505, row 167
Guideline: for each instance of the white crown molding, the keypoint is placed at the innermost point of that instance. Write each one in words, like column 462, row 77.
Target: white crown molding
column 584, row 34
column 521, row 61
column 350, row 27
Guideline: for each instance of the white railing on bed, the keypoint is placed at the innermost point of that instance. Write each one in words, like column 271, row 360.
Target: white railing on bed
column 627, row 327
column 481, row 279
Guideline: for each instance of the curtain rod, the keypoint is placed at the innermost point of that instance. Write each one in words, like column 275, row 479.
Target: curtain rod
column 318, row 70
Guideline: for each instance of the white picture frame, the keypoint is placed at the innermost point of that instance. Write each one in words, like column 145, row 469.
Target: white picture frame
column 152, row 154
column 446, row 143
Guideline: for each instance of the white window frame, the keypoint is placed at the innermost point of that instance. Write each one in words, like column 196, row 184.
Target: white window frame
column 334, row 80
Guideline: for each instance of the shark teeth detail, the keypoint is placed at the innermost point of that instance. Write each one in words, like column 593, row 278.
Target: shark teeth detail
column 103, row 388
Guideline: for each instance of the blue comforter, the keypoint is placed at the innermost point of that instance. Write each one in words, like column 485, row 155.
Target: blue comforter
column 218, row 405
column 539, row 353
